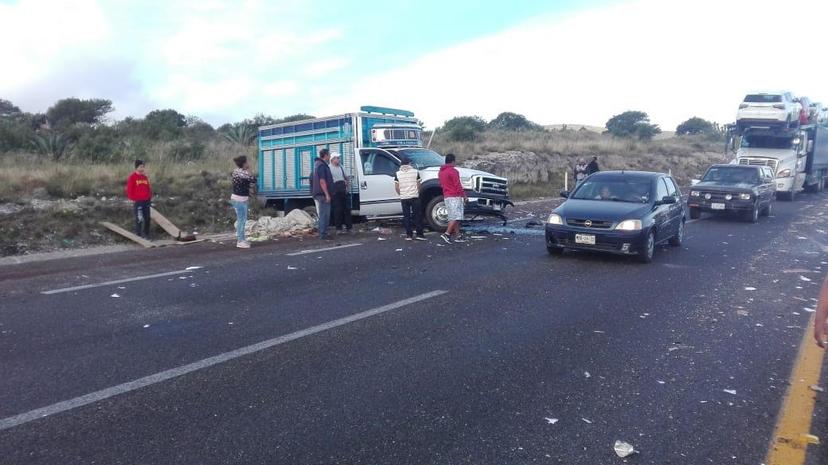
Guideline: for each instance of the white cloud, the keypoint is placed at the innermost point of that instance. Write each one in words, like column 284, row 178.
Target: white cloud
column 671, row 59
column 319, row 69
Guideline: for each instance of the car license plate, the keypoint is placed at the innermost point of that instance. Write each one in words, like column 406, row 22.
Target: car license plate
column 717, row 206
column 587, row 239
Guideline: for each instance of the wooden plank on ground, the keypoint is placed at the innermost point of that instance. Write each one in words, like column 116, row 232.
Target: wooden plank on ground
column 165, row 224
column 133, row 237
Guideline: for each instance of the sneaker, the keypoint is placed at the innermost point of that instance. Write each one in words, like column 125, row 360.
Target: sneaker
column 409, row 238
column 459, row 239
column 445, row 238
column 420, row 238
column 243, row 245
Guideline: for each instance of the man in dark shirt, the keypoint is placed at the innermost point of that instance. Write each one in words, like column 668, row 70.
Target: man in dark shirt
column 593, row 166
column 321, row 185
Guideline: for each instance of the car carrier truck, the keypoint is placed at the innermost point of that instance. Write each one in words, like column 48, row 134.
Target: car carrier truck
column 798, row 156
column 372, row 143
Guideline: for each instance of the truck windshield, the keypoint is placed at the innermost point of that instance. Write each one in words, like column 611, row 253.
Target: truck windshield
column 763, row 98
column 618, row 190
column 422, row 158
column 728, row 175
column 767, row 142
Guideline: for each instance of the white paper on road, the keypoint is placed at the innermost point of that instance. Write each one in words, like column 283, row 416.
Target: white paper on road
column 551, row 421
column 730, row 391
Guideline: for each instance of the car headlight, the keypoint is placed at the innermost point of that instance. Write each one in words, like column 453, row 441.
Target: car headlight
column 784, row 174
column 695, row 193
column 555, row 219
column 744, row 196
column 629, row 225
column 467, row 183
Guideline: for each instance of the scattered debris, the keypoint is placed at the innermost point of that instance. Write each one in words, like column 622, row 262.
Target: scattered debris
column 122, row 287
column 587, row 421
column 191, row 268
column 809, row 310
column 146, row 326
column 384, row 231
column 742, row 312
column 661, row 382
column 551, row 421
column 399, row 250
column 760, row 325
column 382, row 239
column 169, row 227
column 750, row 288
column 816, row 388
column 296, row 222
column 292, row 268
column 624, row 449
column 599, row 332
column 587, row 375
column 115, row 296
column 803, row 278
column 730, row 391
column 123, row 232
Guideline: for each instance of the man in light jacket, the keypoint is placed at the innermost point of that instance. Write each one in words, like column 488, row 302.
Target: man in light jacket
column 407, row 183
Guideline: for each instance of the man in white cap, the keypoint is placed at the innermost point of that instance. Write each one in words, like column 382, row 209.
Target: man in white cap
column 339, row 200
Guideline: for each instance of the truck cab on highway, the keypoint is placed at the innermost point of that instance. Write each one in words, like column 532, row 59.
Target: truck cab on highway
column 797, row 156
column 372, row 142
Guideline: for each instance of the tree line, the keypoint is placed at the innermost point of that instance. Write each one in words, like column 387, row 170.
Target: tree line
column 80, row 128
column 629, row 124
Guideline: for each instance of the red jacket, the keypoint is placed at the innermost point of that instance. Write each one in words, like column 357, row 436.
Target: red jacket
column 138, row 187
column 450, row 182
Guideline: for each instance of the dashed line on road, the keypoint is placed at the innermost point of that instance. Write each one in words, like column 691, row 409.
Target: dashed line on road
column 791, row 435
column 324, row 249
column 156, row 378
column 117, row 281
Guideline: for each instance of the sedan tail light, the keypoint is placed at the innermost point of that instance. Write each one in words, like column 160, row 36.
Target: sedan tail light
column 743, row 106
column 779, row 106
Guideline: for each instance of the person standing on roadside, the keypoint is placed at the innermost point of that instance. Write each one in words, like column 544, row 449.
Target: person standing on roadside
column 407, row 183
column 242, row 180
column 821, row 317
column 454, row 197
column 339, row 203
column 139, row 191
column 593, row 166
column 580, row 172
column 321, row 185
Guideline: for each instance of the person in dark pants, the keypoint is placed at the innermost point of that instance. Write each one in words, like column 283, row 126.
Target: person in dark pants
column 321, row 186
column 339, row 201
column 139, row 191
column 407, row 183
column 593, row 166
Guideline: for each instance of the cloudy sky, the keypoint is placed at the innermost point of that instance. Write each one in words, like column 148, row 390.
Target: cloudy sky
column 554, row 61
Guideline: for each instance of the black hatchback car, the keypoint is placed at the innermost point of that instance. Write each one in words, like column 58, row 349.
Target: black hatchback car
column 741, row 189
column 620, row 212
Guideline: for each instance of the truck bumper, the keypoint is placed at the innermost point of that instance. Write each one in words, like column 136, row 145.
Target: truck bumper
column 785, row 184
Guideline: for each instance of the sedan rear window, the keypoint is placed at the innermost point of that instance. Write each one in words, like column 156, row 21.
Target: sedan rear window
column 763, row 98
column 618, row 190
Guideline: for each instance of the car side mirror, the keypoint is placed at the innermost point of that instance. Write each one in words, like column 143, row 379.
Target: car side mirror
column 693, row 182
column 565, row 194
column 668, row 200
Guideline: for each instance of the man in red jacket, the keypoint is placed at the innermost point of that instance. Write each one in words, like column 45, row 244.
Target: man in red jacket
column 139, row 191
column 454, row 197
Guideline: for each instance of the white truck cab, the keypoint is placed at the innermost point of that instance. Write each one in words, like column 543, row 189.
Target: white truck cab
column 372, row 143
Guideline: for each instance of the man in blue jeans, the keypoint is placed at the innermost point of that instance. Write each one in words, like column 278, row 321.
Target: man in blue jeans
column 321, row 185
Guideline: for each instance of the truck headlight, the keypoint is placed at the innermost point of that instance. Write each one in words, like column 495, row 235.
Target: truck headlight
column 629, row 225
column 555, row 219
column 744, row 196
column 784, row 174
column 695, row 193
column 467, row 183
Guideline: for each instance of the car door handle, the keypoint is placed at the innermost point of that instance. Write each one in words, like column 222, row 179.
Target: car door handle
column 364, row 185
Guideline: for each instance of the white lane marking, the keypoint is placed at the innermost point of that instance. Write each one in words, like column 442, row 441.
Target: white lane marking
column 325, row 249
column 156, row 378
column 117, row 281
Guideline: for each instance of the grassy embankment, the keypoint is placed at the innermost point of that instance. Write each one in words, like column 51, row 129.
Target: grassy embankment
column 59, row 204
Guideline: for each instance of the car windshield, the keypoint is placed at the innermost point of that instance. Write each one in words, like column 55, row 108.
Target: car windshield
column 763, row 98
column 615, row 189
column 422, row 158
column 727, row 175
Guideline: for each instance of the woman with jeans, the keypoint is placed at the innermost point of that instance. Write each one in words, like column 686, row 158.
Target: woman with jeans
column 242, row 180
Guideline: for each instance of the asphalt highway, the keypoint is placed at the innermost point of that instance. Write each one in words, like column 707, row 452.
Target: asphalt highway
column 369, row 351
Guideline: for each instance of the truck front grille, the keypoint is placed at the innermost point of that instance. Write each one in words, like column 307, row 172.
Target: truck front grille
column 494, row 186
column 759, row 162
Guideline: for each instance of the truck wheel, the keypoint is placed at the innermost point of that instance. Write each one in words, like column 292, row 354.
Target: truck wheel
column 436, row 214
column 768, row 209
column 695, row 213
column 753, row 215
